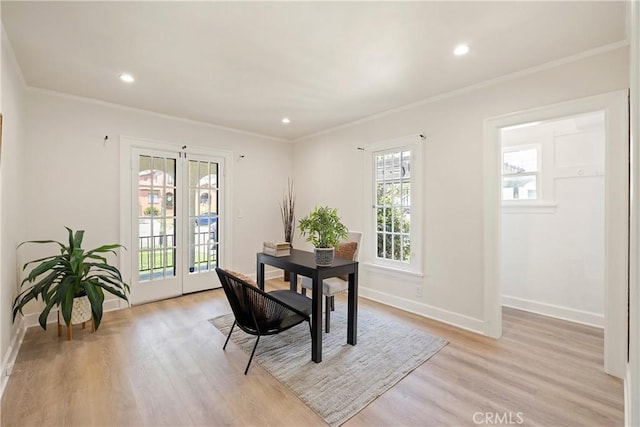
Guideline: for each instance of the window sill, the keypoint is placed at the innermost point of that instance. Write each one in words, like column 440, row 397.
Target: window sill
column 393, row 270
column 529, row 207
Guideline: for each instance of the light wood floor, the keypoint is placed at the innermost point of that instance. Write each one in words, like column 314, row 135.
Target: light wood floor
column 163, row 364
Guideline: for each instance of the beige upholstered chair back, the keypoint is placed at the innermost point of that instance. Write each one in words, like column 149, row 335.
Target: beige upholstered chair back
column 355, row 236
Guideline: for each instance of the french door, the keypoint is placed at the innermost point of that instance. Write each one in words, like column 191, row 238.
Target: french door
column 177, row 217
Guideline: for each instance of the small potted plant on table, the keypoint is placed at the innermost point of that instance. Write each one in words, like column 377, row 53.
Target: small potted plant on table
column 324, row 230
column 73, row 280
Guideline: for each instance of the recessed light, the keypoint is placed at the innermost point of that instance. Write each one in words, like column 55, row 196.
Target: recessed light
column 286, row 121
column 461, row 49
column 128, row 78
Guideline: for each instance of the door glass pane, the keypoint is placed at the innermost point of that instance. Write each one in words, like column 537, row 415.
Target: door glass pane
column 203, row 216
column 156, row 217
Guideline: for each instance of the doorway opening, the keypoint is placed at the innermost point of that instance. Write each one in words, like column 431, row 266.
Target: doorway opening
column 552, row 217
column 531, row 187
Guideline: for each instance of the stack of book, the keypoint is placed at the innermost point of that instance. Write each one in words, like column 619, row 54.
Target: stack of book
column 277, row 248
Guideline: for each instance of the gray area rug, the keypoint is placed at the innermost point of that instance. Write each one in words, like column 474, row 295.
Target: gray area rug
column 349, row 377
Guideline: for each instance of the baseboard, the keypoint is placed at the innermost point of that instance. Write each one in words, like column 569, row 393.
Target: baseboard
column 551, row 310
column 11, row 355
column 455, row 319
column 269, row 273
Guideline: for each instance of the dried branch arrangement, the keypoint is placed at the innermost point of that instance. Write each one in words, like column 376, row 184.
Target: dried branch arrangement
column 287, row 208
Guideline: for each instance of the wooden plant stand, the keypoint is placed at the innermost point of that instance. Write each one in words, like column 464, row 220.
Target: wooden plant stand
column 70, row 327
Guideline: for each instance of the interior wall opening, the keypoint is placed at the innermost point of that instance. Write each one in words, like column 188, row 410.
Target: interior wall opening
column 553, row 217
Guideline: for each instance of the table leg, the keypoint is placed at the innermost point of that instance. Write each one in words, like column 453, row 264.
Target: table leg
column 352, row 316
column 293, row 281
column 260, row 272
column 316, row 320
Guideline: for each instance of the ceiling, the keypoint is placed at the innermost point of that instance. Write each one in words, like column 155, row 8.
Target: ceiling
column 246, row 65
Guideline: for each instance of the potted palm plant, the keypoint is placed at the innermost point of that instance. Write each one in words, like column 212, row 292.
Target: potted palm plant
column 71, row 279
column 324, row 230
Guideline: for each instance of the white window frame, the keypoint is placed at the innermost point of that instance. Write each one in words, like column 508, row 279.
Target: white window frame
column 413, row 143
column 537, row 174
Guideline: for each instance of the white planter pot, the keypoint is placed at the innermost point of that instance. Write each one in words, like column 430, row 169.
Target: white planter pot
column 81, row 311
column 324, row 256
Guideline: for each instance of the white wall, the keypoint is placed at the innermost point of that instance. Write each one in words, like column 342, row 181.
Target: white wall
column 553, row 256
column 453, row 227
column 11, row 197
column 72, row 176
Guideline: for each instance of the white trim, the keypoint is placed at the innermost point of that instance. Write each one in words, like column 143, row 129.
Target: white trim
column 505, row 78
column 10, row 356
column 556, row 311
column 632, row 378
column 616, row 232
column 455, row 319
column 390, row 269
column 528, row 208
column 151, row 113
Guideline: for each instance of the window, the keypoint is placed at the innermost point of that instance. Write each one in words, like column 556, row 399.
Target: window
column 521, row 173
column 393, row 204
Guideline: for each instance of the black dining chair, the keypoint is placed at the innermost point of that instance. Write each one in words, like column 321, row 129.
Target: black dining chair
column 261, row 313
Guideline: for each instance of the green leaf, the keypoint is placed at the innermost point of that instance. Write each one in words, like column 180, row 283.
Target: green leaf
column 40, row 269
column 105, row 248
column 70, row 233
column 41, row 242
column 45, row 314
column 96, row 298
column 66, row 295
column 77, row 239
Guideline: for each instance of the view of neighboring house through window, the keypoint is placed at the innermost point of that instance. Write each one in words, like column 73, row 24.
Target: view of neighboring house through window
column 393, row 204
column 156, row 217
column 520, row 173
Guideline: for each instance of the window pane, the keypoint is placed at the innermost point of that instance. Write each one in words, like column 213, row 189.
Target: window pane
column 203, row 216
column 406, row 248
column 392, row 171
column 406, row 164
column 520, row 161
column 519, row 187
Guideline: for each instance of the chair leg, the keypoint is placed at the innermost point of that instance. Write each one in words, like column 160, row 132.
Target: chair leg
column 327, row 316
column 333, row 306
column 252, row 353
column 229, row 336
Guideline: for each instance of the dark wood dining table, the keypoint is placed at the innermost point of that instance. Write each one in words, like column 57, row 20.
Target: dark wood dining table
column 303, row 263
